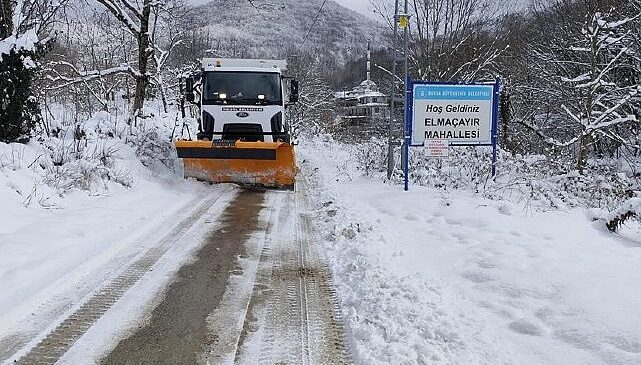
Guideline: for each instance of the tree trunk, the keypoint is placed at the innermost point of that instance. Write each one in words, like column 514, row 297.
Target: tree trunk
column 584, row 145
column 586, row 138
column 6, row 18
column 144, row 53
column 163, row 93
column 506, row 116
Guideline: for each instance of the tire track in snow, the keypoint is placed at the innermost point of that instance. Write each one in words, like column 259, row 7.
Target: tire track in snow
column 177, row 331
column 54, row 344
column 293, row 316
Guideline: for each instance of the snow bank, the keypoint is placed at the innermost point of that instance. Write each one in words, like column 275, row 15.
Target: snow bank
column 615, row 219
column 535, row 180
column 449, row 277
column 75, row 207
column 22, row 42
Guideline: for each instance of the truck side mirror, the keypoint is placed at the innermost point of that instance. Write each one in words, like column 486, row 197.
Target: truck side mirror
column 293, row 91
column 189, row 89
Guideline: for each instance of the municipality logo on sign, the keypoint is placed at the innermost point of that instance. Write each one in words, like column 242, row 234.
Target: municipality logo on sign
column 453, row 92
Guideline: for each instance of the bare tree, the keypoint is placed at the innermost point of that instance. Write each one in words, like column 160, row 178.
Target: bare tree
column 588, row 72
column 104, row 51
column 454, row 39
column 170, row 25
column 315, row 104
column 451, row 39
column 136, row 19
column 91, row 60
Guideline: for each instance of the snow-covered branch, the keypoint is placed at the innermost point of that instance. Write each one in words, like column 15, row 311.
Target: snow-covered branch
column 114, row 6
column 60, row 81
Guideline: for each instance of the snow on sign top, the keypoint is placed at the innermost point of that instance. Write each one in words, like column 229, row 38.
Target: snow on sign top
column 459, row 114
column 211, row 64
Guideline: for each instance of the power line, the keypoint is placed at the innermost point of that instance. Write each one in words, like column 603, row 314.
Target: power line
column 309, row 31
column 251, row 2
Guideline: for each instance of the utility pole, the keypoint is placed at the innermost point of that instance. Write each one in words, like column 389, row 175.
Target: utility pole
column 392, row 97
column 402, row 21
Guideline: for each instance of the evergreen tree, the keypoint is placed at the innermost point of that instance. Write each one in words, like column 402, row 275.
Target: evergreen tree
column 19, row 109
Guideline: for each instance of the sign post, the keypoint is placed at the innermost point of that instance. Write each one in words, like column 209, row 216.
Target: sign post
column 461, row 114
column 408, row 131
column 495, row 124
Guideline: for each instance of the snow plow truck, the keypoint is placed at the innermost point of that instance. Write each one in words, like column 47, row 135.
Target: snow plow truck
column 244, row 135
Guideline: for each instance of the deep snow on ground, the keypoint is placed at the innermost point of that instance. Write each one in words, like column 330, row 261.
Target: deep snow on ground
column 429, row 276
column 131, row 311
column 425, row 276
column 42, row 246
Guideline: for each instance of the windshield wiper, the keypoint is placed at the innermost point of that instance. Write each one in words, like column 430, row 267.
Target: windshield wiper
column 252, row 101
column 215, row 101
column 241, row 102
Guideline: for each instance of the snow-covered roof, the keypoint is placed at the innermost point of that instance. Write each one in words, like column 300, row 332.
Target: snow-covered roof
column 367, row 88
column 372, row 104
column 243, row 69
column 368, row 85
column 210, row 64
column 370, row 94
column 357, row 95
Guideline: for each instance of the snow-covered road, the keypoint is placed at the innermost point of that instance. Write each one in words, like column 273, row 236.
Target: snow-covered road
column 255, row 293
column 225, row 278
column 56, row 263
column 292, row 316
column 421, row 277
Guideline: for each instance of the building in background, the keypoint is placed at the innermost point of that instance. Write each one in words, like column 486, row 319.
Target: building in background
column 364, row 104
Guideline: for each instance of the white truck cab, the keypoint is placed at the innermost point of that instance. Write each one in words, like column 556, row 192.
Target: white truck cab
column 242, row 99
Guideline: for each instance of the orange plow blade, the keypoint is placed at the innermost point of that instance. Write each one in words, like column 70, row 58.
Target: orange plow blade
column 266, row 164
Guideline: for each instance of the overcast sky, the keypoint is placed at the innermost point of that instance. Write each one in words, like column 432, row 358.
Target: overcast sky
column 362, row 6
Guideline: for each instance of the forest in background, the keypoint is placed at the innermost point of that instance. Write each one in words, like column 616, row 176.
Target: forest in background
column 570, row 69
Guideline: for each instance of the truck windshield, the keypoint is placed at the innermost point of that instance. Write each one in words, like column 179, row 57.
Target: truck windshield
column 223, row 87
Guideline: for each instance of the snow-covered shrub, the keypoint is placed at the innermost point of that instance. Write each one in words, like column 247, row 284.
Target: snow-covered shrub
column 14, row 157
column 102, row 148
column 625, row 212
column 153, row 148
column 617, row 217
column 536, row 180
column 372, row 158
column 87, row 168
column 93, row 152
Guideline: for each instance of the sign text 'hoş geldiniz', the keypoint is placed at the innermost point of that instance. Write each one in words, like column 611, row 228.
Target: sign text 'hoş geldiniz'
column 461, row 114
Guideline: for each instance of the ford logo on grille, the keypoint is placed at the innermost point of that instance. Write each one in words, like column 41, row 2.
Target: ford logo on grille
column 242, row 114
